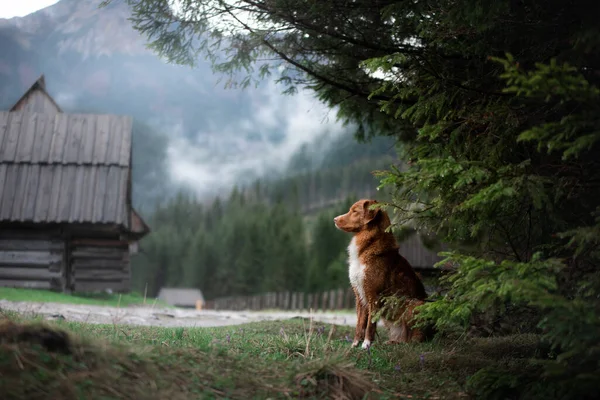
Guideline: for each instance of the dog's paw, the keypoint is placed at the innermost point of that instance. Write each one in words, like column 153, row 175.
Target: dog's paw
column 355, row 343
column 392, row 342
column 366, row 344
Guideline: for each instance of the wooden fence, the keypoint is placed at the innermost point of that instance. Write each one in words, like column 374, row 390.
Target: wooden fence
column 337, row 299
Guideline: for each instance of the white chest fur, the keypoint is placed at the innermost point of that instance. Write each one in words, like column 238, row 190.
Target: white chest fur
column 356, row 271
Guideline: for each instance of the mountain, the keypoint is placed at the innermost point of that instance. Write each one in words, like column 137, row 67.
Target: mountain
column 205, row 136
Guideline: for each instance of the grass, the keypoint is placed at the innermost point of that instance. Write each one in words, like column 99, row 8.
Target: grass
column 100, row 299
column 282, row 359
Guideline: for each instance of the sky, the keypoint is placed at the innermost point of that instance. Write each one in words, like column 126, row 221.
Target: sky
column 19, row 8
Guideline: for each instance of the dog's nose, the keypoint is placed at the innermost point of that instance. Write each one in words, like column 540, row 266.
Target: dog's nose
column 335, row 219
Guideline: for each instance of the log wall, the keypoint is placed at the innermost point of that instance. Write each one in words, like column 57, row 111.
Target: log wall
column 99, row 265
column 32, row 261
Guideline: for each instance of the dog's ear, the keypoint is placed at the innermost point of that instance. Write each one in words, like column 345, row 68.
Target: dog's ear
column 370, row 214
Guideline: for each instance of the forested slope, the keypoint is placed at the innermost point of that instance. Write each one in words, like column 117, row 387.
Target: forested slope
column 274, row 234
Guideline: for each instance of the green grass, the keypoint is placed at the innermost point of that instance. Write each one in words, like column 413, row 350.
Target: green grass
column 281, row 359
column 100, row 299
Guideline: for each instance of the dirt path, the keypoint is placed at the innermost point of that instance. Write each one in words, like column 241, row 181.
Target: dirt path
column 166, row 317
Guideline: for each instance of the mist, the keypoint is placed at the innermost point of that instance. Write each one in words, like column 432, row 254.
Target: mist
column 222, row 153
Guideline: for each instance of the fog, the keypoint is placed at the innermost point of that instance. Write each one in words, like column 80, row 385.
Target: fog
column 221, row 153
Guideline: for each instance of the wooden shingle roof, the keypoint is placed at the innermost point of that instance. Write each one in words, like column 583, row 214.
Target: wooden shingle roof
column 180, row 296
column 37, row 99
column 64, row 168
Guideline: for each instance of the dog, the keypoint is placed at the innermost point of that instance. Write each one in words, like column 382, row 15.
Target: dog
column 376, row 270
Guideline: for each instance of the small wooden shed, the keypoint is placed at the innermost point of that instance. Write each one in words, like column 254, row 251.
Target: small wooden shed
column 66, row 219
column 420, row 257
column 182, row 297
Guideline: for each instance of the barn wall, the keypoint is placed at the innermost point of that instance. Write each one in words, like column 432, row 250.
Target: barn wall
column 32, row 260
column 97, row 264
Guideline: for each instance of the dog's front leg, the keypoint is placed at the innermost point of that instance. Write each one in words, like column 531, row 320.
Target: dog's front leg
column 371, row 326
column 361, row 322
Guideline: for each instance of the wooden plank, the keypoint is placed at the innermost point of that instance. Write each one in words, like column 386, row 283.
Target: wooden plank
column 26, row 138
column 100, row 197
column 3, row 173
column 42, row 203
column 29, row 284
column 28, row 257
column 28, row 245
column 100, row 243
column 3, row 131
column 89, row 131
column 67, row 189
column 11, row 137
column 99, row 275
column 79, row 263
column 122, row 214
column 101, row 139
column 104, row 253
column 59, row 136
column 115, row 141
column 43, row 135
column 91, row 286
column 77, row 196
column 89, row 193
column 54, row 200
column 20, row 191
column 111, row 197
column 339, row 299
column 31, row 194
column 294, row 303
column 38, row 274
column 73, row 143
column 126, row 133
column 332, row 299
column 34, row 233
column 8, row 193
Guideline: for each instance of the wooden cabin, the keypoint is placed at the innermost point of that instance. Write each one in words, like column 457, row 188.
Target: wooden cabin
column 420, row 257
column 66, row 218
column 182, row 297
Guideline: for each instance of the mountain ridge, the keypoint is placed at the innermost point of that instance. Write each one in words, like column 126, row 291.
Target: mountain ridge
column 94, row 61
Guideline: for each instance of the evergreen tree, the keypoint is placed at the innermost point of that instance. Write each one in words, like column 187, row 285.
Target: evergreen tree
column 497, row 109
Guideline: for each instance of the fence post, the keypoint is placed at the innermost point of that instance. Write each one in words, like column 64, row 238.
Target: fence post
column 324, row 301
column 340, row 299
column 278, row 302
column 301, row 301
column 294, row 304
column 332, row 299
column 348, row 298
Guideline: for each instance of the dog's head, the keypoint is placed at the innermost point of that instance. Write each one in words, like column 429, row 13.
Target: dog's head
column 361, row 217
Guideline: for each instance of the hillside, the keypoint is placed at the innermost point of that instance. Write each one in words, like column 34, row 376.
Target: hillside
column 274, row 234
column 204, row 138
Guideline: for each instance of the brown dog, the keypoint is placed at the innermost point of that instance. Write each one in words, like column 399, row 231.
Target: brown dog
column 377, row 269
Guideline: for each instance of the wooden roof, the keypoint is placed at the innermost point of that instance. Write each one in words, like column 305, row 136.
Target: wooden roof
column 57, row 168
column 65, row 168
column 37, row 99
column 180, row 296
